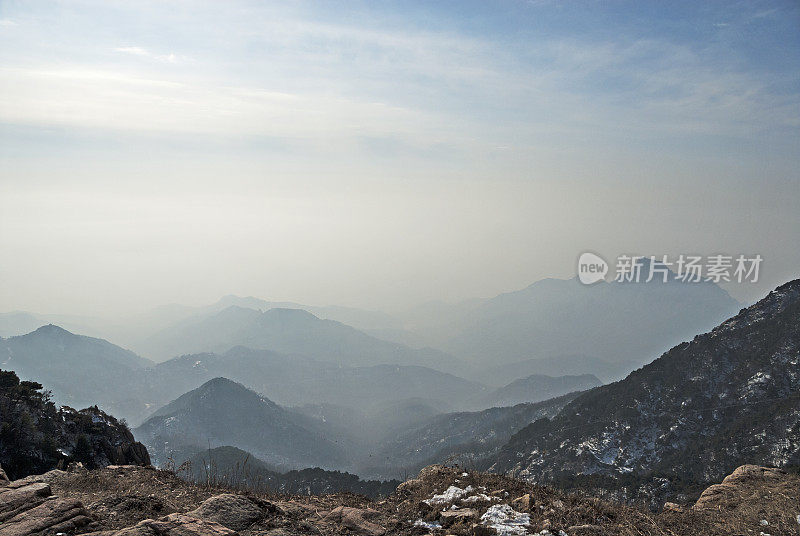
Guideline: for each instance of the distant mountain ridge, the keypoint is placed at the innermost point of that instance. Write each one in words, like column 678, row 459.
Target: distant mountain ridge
column 728, row 397
column 297, row 380
column 557, row 316
column 223, row 412
column 81, row 370
column 537, row 388
column 291, row 331
column 557, row 365
column 470, row 438
column 231, row 466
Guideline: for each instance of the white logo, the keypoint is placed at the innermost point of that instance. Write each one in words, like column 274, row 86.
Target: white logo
column 591, row 268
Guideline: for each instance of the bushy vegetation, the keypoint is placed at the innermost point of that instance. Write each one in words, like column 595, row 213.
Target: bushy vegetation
column 28, row 421
column 36, row 435
column 230, row 467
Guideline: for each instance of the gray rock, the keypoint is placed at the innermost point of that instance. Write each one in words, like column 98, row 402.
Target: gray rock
column 360, row 520
column 17, row 499
column 237, row 512
column 48, row 517
column 450, row 517
column 49, row 476
column 176, row 525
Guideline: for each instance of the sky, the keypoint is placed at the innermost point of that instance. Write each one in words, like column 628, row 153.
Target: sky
column 381, row 154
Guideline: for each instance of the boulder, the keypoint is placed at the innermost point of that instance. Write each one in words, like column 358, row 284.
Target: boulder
column 409, row 486
column 735, row 484
column 49, row 476
column 132, row 453
column 47, row 517
column 522, row 504
column 17, row 499
column 451, row 517
column 175, row 525
column 237, row 512
column 3, row 477
column 359, row 520
column 29, row 508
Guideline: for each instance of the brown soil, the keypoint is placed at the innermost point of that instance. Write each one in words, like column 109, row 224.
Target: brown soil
column 120, row 497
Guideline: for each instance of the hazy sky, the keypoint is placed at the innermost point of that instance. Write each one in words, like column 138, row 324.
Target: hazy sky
column 380, row 154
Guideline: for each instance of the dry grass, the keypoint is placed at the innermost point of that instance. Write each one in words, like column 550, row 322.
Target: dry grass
column 123, row 497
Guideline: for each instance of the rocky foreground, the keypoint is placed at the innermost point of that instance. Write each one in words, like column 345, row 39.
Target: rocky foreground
column 143, row 501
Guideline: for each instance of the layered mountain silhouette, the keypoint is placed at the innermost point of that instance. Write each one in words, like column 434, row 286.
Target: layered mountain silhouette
column 292, row 331
column 234, row 467
column 19, row 323
column 298, row 380
column 538, row 387
column 626, row 324
column 467, row 438
column 223, row 412
column 728, row 397
column 558, row 365
column 80, row 370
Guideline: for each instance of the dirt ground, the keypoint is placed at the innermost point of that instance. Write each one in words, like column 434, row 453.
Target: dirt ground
column 752, row 504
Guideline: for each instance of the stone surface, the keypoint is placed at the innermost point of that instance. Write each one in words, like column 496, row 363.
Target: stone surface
column 237, row 512
column 29, row 508
column 16, row 499
column 46, row 477
column 451, row 517
column 175, row 525
column 360, row 520
column 733, row 485
column 48, row 517
column 522, row 504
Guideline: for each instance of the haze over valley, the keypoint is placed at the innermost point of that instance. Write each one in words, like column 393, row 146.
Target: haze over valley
column 399, row 268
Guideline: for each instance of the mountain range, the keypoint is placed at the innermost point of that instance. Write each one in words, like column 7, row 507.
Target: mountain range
column 688, row 418
column 727, row 397
column 385, row 443
column 530, row 331
column 223, row 412
column 537, row 388
column 292, row 331
column 79, row 370
column 554, row 317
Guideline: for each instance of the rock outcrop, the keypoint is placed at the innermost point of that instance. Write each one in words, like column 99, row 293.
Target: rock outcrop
column 137, row 501
column 173, row 525
column 39, row 436
column 29, row 509
column 236, row 512
column 737, row 485
column 358, row 520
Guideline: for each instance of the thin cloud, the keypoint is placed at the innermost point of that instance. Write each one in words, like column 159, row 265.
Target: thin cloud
column 142, row 52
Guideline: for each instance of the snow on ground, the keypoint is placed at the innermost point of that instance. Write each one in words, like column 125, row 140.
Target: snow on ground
column 425, row 524
column 479, row 497
column 451, row 494
column 506, row 521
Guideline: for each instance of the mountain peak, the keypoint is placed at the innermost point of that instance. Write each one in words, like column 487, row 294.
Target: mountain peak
column 290, row 313
column 51, row 329
column 222, row 383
